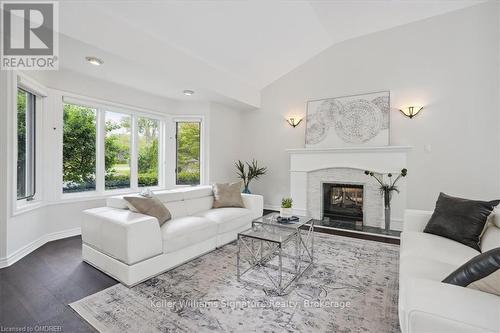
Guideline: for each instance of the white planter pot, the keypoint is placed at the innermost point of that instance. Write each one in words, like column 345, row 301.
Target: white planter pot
column 285, row 212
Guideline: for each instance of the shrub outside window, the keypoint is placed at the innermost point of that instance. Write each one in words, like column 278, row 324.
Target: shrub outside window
column 188, row 153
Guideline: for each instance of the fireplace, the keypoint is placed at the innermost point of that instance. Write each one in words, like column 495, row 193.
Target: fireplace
column 343, row 202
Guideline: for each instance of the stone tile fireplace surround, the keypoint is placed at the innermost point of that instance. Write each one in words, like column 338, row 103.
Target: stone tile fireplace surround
column 310, row 168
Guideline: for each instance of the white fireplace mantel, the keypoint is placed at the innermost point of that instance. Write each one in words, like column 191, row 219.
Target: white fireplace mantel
column 378, row 159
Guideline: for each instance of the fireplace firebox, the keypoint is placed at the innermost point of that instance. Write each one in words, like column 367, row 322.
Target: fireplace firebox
column 343, row 202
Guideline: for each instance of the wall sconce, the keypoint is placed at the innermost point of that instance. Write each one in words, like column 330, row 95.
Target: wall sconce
column 411, row 111
column 294, row 122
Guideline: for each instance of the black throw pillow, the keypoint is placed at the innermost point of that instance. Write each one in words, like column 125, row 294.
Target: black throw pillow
column 461, row 220
column 481, row 272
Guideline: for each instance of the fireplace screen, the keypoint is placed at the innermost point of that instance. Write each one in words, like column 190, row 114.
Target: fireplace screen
column 343, row 202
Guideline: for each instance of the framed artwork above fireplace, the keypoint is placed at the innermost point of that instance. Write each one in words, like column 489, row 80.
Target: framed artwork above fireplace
column 349, row 121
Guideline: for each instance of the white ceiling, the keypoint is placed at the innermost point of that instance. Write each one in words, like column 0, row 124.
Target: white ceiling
column 225, row 50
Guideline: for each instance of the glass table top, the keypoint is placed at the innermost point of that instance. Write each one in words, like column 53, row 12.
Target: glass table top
column 271, row 233
column 272, row 219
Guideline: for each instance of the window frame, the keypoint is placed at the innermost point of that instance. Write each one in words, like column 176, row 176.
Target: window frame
column 161, row 148
column 20, row 81
column 62, row 145
column 31, row 145
column 177, row 122
column 132, row 150
column 101, row 108
column 203, row 148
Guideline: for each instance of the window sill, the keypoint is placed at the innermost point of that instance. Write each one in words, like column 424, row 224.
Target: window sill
column 86, row 196
column 24, row 206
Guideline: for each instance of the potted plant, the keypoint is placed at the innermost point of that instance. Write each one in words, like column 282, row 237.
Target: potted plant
column 286, row 207
column 254, row 172
column 386, row 189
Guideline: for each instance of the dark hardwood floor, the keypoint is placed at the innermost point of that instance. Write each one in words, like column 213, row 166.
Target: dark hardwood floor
column 36, row 290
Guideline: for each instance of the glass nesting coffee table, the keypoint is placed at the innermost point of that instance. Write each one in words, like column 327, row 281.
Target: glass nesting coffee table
column 278, row 252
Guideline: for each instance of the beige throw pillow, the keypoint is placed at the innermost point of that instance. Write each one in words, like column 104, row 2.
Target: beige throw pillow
column 150, row 206
column 228, row 195
column 489, row 284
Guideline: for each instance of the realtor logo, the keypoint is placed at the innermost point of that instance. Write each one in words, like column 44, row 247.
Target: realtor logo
column 29, row 35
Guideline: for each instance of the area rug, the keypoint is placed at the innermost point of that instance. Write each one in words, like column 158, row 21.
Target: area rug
column 352, row 287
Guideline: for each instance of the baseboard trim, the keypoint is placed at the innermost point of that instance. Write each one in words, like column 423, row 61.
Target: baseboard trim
column 27, row 249
column 271, row 207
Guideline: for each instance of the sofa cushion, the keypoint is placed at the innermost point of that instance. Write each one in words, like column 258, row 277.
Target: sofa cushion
column 197, row 192
column 177, row 208
column 419, row 244
column 178, row 194
column 197, row 205
column 117, row 233
column 186, row 231
column 229, row 218
column 460, row 219
column 424, row 268
column 490, row 239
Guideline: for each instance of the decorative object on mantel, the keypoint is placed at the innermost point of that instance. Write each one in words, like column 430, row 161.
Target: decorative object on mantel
column 358, row 120
column 254, row 172
column 411, row 111
column 294, row 122
column 386, row 188
column 286, row 207
column 146, row 193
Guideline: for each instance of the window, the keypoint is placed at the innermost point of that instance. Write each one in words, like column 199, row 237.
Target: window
column 25, row 144
column 148, row 157
column 111, row 148
column 79, row 148
column 188, row 153
column 117, row 150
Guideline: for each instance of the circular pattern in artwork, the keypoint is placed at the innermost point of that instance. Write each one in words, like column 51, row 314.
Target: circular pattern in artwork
column 359, row 121
column 382, row 102
column 328, row 111
column 316, row 129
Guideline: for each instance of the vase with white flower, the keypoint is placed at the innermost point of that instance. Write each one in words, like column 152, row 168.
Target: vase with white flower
column 387, row 187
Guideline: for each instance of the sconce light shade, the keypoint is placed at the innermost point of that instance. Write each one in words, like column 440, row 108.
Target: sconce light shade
column 411, row 111
column 294, row 122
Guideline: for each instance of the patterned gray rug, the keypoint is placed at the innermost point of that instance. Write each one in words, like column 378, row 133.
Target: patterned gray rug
column 353, row 287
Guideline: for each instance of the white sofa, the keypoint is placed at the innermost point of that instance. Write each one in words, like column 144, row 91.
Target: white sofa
column 425, row 303
column 132, row 247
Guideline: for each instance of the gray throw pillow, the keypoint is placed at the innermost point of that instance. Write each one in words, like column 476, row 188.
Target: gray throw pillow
column 150, row 206
column 461, row 220
column 227, row 195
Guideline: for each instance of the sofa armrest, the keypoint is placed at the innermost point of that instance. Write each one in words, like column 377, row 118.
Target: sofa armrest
column 124, row 235
column 433, row 306
column 416, row 220
column 255, row 203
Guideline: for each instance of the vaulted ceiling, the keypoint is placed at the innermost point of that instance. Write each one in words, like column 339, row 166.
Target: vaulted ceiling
column 226, row 51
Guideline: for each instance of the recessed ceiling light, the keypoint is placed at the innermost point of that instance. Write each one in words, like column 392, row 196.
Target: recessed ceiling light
column 94, row 61
column 188, row 92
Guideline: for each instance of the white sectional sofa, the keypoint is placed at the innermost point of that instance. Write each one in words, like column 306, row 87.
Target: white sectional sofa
column 428, row 305
column 132, row 247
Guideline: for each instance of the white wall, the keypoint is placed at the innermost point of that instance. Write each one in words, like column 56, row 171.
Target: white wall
column 447, row 63
column 4, row 92
column 76, row 83
column 225, row 142
column 23, row 232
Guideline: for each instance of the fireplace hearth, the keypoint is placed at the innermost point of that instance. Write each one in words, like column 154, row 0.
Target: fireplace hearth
column 343, row 203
